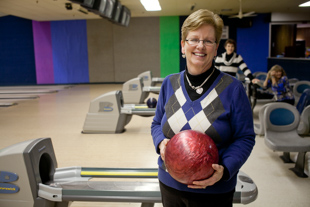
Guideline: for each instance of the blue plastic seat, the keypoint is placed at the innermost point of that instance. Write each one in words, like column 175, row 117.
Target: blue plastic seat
column 303, row 127
column 293, row 81
column 304, row 100
column 281, row 121
column 259, row 128
column 260, row 75
column 299, row 88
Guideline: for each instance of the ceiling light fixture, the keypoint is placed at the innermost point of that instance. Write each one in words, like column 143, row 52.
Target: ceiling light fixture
column 306, row 4
column 151, row 5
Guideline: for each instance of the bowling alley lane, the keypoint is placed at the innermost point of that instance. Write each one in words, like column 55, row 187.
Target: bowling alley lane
column 61, row 116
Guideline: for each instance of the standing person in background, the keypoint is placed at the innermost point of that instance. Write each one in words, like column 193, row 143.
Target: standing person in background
column 277, row 80
column 204, row 99
column 229, row 62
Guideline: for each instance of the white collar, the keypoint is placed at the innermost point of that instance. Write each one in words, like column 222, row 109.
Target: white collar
column 231, row 59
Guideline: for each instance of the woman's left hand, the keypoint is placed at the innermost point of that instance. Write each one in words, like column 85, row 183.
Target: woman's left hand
column 217, row 175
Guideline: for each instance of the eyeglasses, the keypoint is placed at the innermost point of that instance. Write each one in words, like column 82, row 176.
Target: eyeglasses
column 195, row 42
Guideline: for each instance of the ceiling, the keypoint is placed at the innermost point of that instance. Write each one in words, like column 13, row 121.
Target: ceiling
column 50, row 10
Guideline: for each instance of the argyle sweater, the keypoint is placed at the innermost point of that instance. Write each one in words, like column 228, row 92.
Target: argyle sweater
column 232, row 65
column 223, row 112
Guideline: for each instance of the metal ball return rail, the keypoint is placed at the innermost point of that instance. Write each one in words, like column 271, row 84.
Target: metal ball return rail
column 30, row 178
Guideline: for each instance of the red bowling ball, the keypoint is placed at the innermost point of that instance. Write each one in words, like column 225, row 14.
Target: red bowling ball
column 189, row 156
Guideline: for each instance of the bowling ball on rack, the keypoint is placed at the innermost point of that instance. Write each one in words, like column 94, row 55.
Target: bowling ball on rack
column 151, row 102
column 189, row 156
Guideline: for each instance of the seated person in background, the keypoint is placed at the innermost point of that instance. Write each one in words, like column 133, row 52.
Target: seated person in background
column 229, row 62
column 277, row 80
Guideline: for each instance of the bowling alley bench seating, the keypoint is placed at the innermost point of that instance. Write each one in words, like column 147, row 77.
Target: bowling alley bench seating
column 29, row 177
column 303, row 107
column 281, row 123
column 299, row 88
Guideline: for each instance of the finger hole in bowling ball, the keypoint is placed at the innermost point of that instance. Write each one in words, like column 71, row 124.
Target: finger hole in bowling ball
column 151, row 102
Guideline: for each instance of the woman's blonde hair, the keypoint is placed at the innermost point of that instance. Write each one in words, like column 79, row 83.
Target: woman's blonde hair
column 200, row 17
column 278, row 68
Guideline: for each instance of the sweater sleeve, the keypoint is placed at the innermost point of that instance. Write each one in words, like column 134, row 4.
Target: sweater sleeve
column 243, row 66
column 243, row 139
column 250, row 76
column 156, row 130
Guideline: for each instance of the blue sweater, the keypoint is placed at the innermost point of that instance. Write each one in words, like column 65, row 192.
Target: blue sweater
column 223, row 112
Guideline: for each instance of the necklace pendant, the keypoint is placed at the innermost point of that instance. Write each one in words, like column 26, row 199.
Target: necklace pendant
column 199, row 90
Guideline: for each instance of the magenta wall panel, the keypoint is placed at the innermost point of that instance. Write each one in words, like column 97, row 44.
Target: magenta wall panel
column 43, row 52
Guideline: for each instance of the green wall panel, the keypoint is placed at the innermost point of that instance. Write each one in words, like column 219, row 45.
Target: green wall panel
column 169, row 45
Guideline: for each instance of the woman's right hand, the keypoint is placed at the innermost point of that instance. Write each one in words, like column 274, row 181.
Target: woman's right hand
column 269, row 75
column 162, row 148
column 272, row 73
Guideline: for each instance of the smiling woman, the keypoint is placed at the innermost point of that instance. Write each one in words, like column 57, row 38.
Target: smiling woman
column 200, row 56
column 206, row 100
column 230, row 62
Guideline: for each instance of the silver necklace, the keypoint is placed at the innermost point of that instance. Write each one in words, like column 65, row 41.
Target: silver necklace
column 198, row 89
